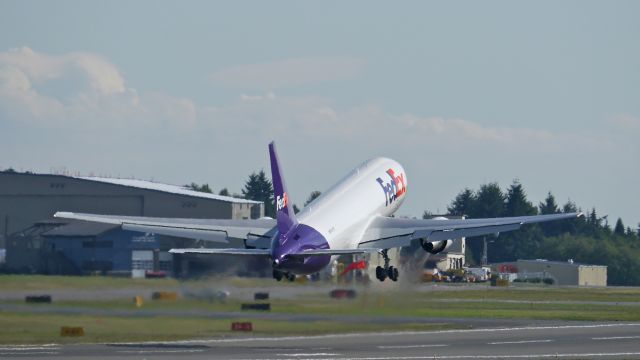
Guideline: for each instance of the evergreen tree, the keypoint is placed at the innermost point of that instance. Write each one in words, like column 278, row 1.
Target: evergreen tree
column 202, row 188
column 489, row 202
column 427, row 214
column 224, row 192
column 572, row 226
column 630, row 232
column 619, row 228
column 314, row 195
column 463, row 203
column 549, row 206
column 295, row 209
column 569, row 207
column 526, row 241
column 259, row 188
column 516, row 201
column 593, row 218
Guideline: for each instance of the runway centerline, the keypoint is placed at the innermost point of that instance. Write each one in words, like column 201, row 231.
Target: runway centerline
column 520, row 342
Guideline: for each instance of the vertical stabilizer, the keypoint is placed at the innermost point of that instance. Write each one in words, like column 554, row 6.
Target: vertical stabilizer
column 284, row 208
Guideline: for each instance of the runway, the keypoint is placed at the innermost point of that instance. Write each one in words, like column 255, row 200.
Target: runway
column 569, row 341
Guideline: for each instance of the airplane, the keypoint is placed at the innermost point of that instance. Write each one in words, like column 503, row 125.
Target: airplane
column 352, row 217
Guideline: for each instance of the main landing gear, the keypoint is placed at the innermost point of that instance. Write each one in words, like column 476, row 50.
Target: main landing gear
column 279, row 275
column 387, row 271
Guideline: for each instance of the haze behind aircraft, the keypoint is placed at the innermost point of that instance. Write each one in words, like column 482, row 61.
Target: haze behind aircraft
column 352, row 217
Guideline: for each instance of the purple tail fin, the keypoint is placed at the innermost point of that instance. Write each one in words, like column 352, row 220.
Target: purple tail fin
column 284, row 208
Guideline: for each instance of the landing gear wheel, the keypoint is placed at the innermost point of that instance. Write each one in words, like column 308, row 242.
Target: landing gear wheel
column 381, row 274
column 392, row 272
column 277, row 275
column 291, row 277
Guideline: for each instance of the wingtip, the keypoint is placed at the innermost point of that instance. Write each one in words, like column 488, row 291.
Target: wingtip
column 580, row 214
column 62, row 214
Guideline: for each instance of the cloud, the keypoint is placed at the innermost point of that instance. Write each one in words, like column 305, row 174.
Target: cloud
column 289, row 72
column 626, row 122
column 79, row 88
column 102, row 76
column 308, row 117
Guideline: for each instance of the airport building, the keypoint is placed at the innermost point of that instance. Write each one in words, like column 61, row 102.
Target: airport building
column 567, row 273
column 37, row 242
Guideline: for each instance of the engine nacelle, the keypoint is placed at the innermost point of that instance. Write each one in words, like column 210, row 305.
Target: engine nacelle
column 435, row 247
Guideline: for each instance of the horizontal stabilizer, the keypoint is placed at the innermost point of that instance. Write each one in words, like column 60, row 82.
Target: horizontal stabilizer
column 324, row 252
column 266, row 252
column 214, row 230
column 239, row 251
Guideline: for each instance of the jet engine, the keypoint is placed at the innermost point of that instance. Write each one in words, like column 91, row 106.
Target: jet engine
column 435, row 246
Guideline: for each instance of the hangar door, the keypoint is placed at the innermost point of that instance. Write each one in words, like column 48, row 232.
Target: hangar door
column 142, row 260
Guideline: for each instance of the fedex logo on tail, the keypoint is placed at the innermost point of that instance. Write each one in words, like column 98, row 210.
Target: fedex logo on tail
column 281, row 202
column 394, row 188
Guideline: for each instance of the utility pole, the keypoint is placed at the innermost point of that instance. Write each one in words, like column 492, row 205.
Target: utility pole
column 484, row 261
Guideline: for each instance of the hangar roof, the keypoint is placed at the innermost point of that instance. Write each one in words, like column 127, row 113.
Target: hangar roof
column 174, row 189
column 552, row 262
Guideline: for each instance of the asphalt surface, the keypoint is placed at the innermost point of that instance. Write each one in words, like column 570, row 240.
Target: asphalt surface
column 561, row 341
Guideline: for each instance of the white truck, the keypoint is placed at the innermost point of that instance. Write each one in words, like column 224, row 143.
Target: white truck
column 480, row 274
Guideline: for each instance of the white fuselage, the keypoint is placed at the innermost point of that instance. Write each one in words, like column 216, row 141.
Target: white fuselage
column 342, row 214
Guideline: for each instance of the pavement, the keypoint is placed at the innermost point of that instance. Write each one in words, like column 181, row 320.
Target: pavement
column 557, row 341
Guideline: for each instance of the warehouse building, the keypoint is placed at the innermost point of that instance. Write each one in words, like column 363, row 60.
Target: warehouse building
column 29, row 233
column 567, row 273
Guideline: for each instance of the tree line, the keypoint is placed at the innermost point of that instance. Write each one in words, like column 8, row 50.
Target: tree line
column 257, row 187
column 589, row 239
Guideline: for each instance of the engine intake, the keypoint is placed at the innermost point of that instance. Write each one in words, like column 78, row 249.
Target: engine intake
column 436, row 246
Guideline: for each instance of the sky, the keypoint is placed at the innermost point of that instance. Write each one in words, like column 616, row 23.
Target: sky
column 461, row 93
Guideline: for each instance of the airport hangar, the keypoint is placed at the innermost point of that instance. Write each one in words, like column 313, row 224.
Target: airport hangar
column 562, row 273
column 36, row 242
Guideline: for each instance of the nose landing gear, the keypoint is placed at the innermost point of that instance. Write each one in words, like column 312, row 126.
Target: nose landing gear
column 387, row 271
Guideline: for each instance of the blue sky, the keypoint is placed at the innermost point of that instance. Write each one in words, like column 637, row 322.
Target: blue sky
column 460, row 93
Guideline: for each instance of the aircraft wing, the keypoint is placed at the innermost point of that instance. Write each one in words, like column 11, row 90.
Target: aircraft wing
column 200, row 229
column 387, row 232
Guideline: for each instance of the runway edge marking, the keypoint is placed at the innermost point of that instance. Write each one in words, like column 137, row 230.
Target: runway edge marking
column 353, row 335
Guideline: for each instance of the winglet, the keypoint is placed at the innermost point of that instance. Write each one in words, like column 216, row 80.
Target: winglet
column 284, row 208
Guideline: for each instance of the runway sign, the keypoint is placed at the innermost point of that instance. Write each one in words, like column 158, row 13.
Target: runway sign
column 164, row 295
column 257, row 306
column 71, row 331
column 241, row 326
